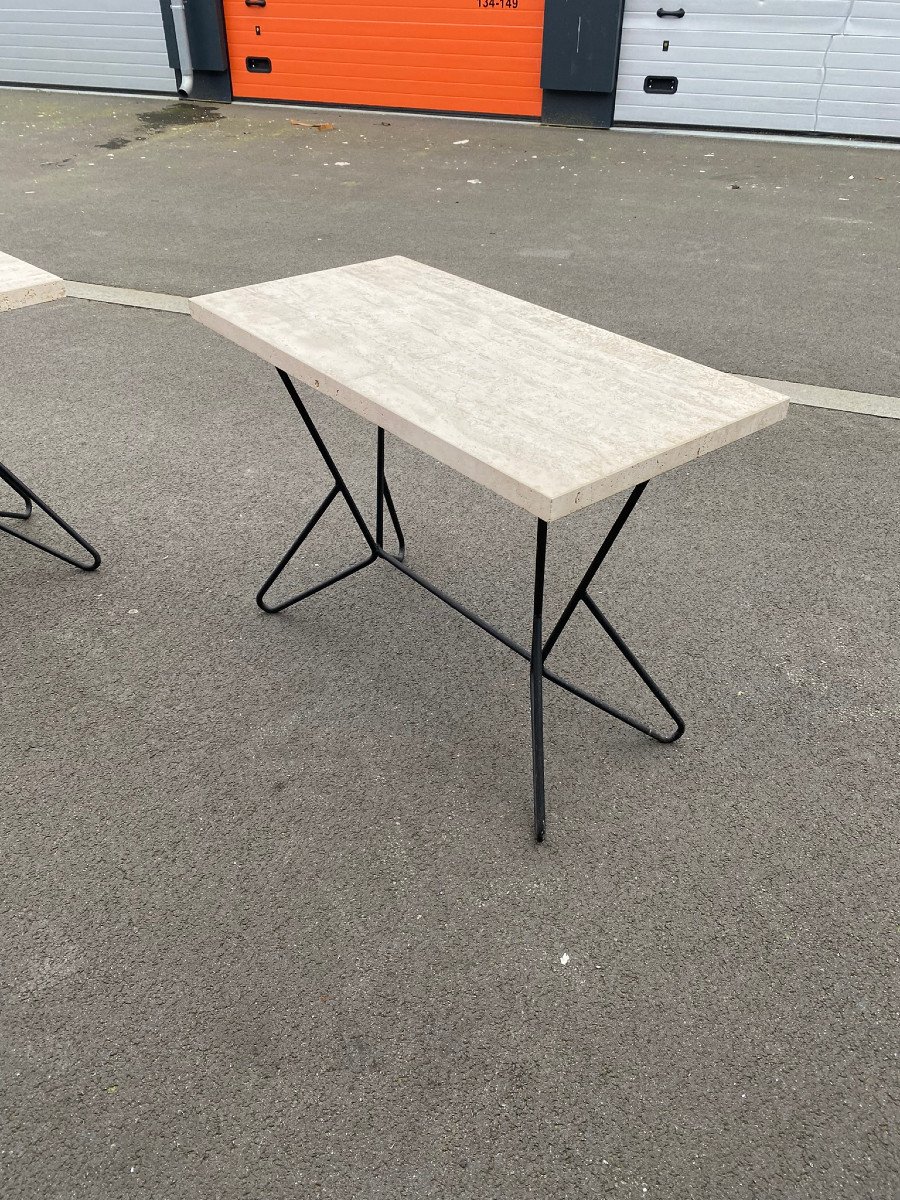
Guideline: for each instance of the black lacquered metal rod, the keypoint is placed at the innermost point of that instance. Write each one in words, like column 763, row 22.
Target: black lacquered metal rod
column 289, row 554
column 326, row 455
column 379, row 489
column 7, row 476
column 635, row 663
column 395, row 521
column 13, row 481
column 462, row 609
column 536, row 679
column 592, row 570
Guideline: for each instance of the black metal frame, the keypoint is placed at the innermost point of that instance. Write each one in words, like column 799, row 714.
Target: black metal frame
column 536, row 655
column 31, row 498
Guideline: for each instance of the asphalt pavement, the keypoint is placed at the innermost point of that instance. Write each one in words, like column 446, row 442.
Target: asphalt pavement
column 274, row 923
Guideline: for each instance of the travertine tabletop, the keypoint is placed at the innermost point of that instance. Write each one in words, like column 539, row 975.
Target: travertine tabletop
column 21, row 284
column 550, row 412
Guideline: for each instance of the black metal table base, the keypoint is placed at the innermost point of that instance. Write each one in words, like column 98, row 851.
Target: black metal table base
column 31, row 498
column 535, row 654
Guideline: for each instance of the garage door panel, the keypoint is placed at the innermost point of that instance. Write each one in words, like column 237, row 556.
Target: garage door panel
column 71, row 65
column 699, row 116
column 88, row 7
column 854, row 64
column 440, row 14
column 741, row 75
column 405, row 65
column 423, row 85
column 888, row 79
column 430, row 78
column 884, row 128
column 812, row 64
column 874, row 20
column 25, row 43
column 732, row 40
column 859, row 93
column 872, row 111
column 862, row 73
column 880, row 9
column 366, row 38
column 448, row 55
column 872, row 29
column 740, row 13
column 63, row 74
column 710, row 62
column 65, row 24
column 408, row 50
column 381, row 98
column 713, row 101
column 851, row 51
column 718, row 22
column 733, row 87
column 83, row 57
column 118, row 44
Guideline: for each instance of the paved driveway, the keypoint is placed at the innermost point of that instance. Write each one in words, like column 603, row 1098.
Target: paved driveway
column 274, row 922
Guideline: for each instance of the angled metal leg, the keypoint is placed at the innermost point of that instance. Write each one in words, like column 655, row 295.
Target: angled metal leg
column 375, row 544
column 383, row 496
column 581, row 596
column 537, row 682
column 536, row 654
column 30, row 498
column 286, row 558
column 340, row 489
column 22, row 493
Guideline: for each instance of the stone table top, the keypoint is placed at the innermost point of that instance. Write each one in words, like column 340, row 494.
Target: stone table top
column 21, row 284
column 550, row 412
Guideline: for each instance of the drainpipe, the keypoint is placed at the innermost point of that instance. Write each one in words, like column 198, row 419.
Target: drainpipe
column 184, row 50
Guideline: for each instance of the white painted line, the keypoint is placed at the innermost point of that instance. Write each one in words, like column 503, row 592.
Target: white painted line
column 798, row 393
column 159, row 301
column 821, row 397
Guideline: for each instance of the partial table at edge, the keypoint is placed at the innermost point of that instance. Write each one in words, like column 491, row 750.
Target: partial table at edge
column 22, row 285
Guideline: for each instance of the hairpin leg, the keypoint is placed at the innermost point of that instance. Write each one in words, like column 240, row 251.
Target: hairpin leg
column 30, row 497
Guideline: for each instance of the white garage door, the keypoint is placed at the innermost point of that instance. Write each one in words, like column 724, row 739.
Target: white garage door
column 798, row 65
column 861, row 92
column 116, row 44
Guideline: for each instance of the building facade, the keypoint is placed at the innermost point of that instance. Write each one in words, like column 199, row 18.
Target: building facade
column 799, row 66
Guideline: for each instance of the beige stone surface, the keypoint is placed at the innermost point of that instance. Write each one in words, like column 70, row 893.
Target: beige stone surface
column 21, row 284
column 550, row 412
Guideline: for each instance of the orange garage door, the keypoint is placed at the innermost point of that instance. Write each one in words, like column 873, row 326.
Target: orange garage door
column 478, row 56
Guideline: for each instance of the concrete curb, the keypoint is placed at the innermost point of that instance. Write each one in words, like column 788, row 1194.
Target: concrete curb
column 798, row 393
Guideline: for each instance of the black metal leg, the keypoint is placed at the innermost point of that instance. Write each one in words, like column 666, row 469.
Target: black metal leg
column 22, row 493
column 30, row 497
column 587, row 578
column 537, row 681
column 286, row 558
column 538, row 651
column 340, row 488
column 383, row 496
column 581, row 596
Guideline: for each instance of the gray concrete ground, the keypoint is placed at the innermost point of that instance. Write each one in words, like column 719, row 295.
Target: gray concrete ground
column 273, row 922
column 794, row 273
